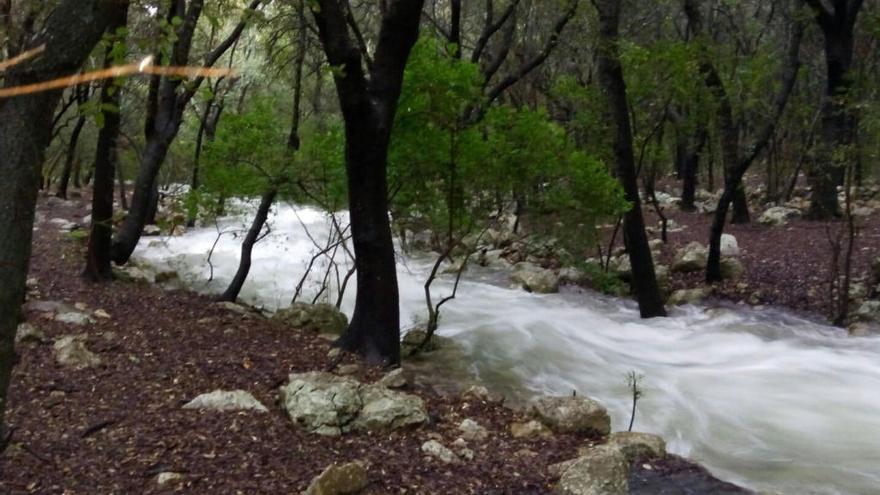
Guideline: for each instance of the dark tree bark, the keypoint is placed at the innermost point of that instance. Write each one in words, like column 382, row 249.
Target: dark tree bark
column 644, row 279
column 165, row 108
column 839, row 125
column 740, row 213
column 247, row 246
column 70, row 32
column 735, row 166
column 71, row 157
column 369, row 103
column 689, row 156
column 293, row 139
column 98, row 261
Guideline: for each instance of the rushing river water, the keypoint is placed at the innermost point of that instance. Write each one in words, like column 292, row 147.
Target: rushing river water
column 762, row 398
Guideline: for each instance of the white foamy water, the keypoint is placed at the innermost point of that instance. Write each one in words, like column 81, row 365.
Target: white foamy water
column 763, row 399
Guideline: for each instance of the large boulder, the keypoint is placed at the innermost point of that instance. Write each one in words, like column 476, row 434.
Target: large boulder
column 571, row 414
column 533, row 278
column 603, row 470
column 729, row 246
column 317, row 318
column 340, row 479
column 71, row 351
column 328, row 404
column 226, row 400
column 635, row 445
column 691, row 258
column 778, row 215
column 688, row 296
column 731, row 269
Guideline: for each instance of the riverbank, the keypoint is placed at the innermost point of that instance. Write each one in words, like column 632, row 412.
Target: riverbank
column 118, row 425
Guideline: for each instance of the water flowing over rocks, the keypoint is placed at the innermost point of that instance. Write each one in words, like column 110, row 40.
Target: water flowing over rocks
column 318, row 318
column 328, row 404
column 533, row 278
column 226, row 400
column 340, row 479
column 571, row 414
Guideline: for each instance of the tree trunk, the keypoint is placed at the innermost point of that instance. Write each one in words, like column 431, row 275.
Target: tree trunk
column 98, row 260
column 165, row 108
column 247, row 246
column 123, row 196
column 368, row 107
column 611, row 79
column 838, row 119
column 740, row 205
column 71, row 157
column 69, row 32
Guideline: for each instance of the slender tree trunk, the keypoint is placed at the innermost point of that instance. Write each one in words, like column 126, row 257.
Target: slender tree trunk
column 71, row 157
column 293, row 139
column 611, row 79
column 98, row 260
column 247, row 246
column 70, row 32
column 123, row 195
column 691, row 171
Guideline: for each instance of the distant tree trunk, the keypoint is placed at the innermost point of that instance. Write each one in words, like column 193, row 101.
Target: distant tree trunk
column 368, row 105
column 611, row 79
column 690, row 171
column 98, row 261
column 838, row 119
column 123, row 196
column 71, row 157
column 70, row 32
column 247, row 246
column 293, row 139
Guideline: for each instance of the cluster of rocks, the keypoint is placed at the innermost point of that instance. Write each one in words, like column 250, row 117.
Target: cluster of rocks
column 864, row 293
column 328, row 404
column 70, row 350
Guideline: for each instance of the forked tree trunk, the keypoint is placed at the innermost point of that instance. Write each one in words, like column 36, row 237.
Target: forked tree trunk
column 368, row 104
column 644, row 279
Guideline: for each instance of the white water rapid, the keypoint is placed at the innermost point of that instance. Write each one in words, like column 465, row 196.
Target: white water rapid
column 763, row 399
